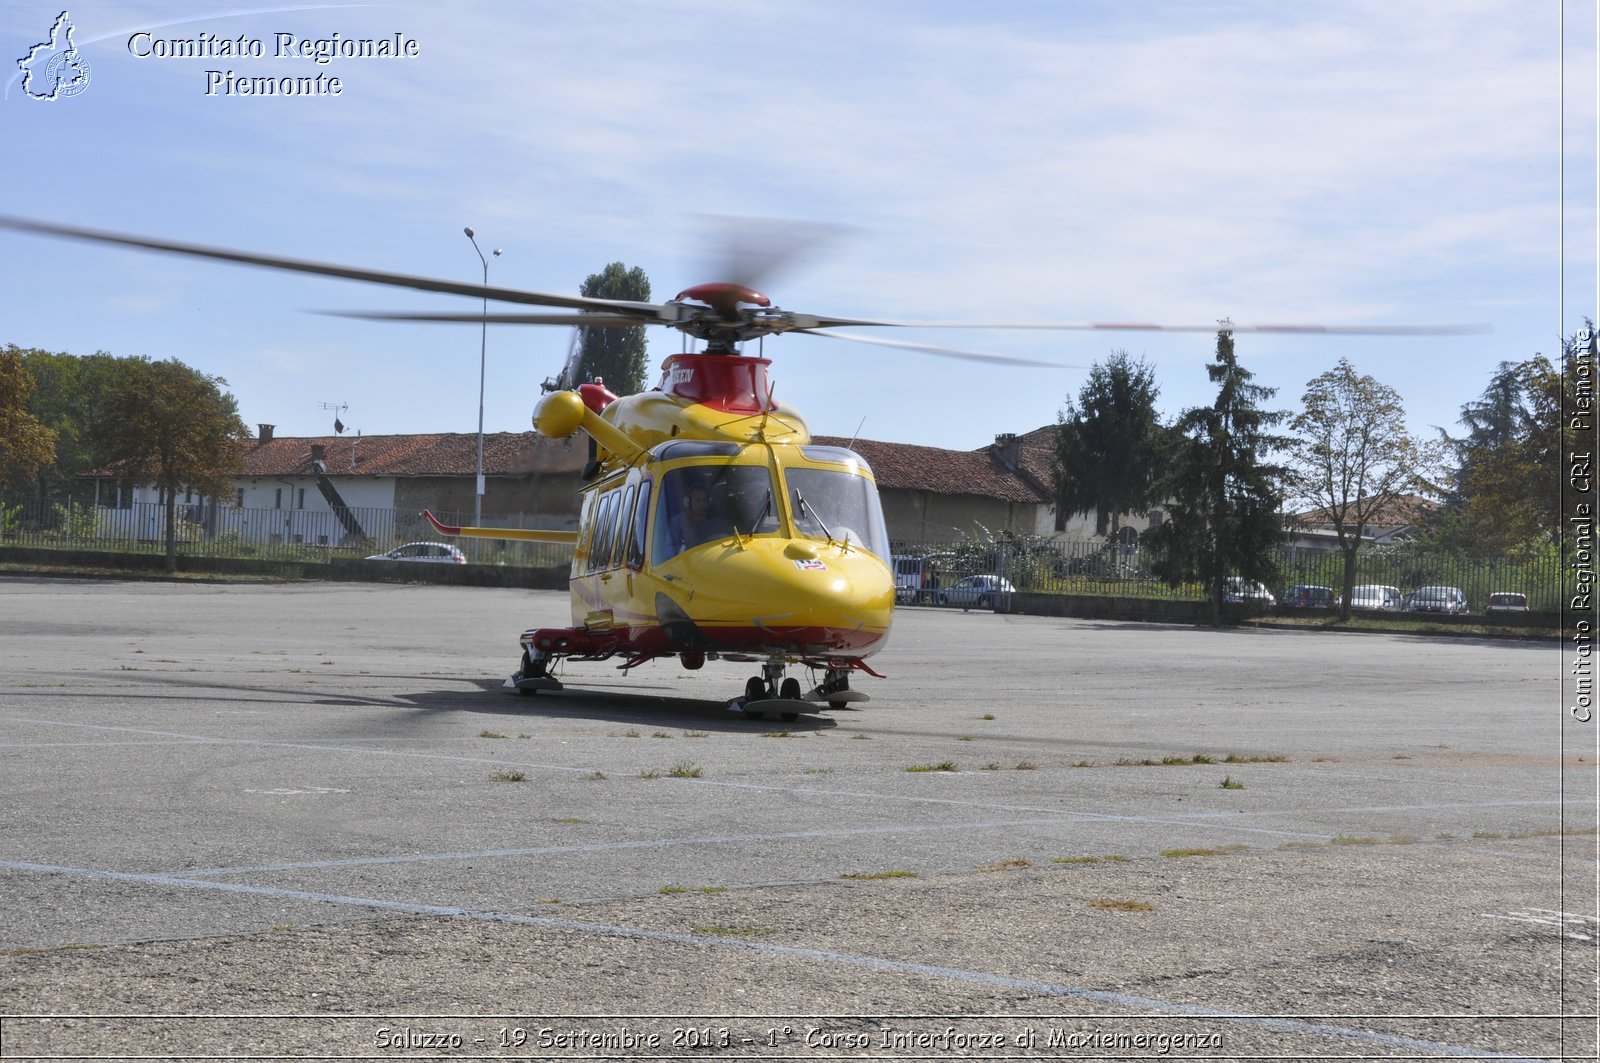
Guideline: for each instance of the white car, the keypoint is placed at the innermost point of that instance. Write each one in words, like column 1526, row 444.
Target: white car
column 427, row 553
column 1374, row 597
column 1238, row 591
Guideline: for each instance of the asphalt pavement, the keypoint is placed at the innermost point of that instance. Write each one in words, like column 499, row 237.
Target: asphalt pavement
column 297, row 820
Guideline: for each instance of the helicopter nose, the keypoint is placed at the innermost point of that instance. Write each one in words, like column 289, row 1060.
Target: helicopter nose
column 794, row 593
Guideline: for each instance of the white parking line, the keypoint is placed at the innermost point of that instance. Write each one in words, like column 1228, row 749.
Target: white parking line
column 1053, row 989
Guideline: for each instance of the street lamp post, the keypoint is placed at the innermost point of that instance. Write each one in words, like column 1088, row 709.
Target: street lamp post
column 483, row 349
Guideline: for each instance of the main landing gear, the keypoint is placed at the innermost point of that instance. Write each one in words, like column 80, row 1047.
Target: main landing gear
column 770, row 692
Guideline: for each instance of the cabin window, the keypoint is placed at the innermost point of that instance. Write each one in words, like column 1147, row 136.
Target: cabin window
column 701, row 504
column 600, row 553
column 621, row 526
column 641, row 522
column 837, row 506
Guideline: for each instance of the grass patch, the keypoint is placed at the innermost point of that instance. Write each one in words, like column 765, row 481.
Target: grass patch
column 1230, row 783
column 508, row 776
column 1007, row 865
column 1346, row 839
column 987, row 716
column 1106, row 904
column 1026, row 765
column 490, row 734
column 596, row 776
column 1272, row 758
column 777, row 734
column 858, row 876
column 697, row 734
column 991, row 766
column 1091, row 860
column 685, row 770
column 669, row 890
column 1219, row 850
column 964, row 738
column 943, row 765
column 860, row 737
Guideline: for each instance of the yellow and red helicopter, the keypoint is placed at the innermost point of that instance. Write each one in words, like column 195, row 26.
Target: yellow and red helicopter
column 711, row 526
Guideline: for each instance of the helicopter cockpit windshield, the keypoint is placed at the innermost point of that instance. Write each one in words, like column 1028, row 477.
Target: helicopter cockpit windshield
column 836, row 504
column 828, row 493
column 702, row 503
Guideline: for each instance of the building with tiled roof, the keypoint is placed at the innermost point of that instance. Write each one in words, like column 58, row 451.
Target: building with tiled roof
column 334, row 489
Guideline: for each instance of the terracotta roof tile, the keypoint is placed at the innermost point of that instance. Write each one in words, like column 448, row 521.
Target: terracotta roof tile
column 906, row 466
column 444, row 454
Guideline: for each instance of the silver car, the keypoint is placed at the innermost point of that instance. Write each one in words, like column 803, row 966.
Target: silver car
column 980, row 591
column 1436, row 600
column 427, row 553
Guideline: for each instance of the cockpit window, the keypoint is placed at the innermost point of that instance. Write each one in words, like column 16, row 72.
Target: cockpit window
column 838, row 506
column 704, row 503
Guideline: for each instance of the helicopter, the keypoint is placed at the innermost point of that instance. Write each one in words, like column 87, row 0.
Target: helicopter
column 711, row 526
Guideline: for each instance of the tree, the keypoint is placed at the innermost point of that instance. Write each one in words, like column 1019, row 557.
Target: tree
column 26, row 444
column 73, row 398
column 176, row 428
column 1223, row 496
column 1500, row 496
column 616, row 355
column 1354, row 457
column 1107, row 444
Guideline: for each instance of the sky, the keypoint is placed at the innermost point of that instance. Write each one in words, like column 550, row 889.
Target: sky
column 1347, row 162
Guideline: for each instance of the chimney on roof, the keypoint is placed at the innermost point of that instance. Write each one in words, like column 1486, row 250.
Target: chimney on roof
column 265, row 432
column 1008, row 446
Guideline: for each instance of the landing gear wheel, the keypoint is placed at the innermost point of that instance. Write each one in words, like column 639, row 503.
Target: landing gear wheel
column 790, row 691
column 755, row 689
column 531, row 669
column 835, row 683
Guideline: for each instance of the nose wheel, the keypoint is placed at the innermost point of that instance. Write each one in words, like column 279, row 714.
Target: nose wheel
column 770, row 692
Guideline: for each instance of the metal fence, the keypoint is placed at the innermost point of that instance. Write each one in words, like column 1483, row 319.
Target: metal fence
column 216, row 530
column 926, row 571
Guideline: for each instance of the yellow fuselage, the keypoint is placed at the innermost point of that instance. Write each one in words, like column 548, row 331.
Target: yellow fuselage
column 713, row 525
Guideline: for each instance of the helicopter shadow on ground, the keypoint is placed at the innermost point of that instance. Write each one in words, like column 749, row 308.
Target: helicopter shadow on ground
column 598, row 702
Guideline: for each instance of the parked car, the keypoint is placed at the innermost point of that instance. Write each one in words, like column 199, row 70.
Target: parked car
column 980, row 591
column 1506, row 602
column 1310, row 597
column 1374, row 597
column 1436, row 600
column 1238, row 591
column 429, row 553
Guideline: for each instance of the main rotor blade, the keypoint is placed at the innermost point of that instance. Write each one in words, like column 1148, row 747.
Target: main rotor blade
column 750, row 251
column 943, row 352
column 1229, row 326
column 646, row 311
column 570, row 320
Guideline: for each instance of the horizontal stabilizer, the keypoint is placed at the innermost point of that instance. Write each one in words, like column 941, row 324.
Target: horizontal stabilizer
column 527, row 535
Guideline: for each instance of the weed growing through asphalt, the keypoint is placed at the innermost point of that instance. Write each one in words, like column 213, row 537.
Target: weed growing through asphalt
column 777, row 734
column 1220, row 850
column 490, row 734
column 1230, row 783
column 1108, row 905
column 697, row 734
column 1113, row 859
column 1007, row 865
column 668, row 890
column 987, row 716
column 1026, row 765
column 866, row 875
column 685, row 770
column 508, row 776
column 596, row 776
column 943, row 765
column 649, row 773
